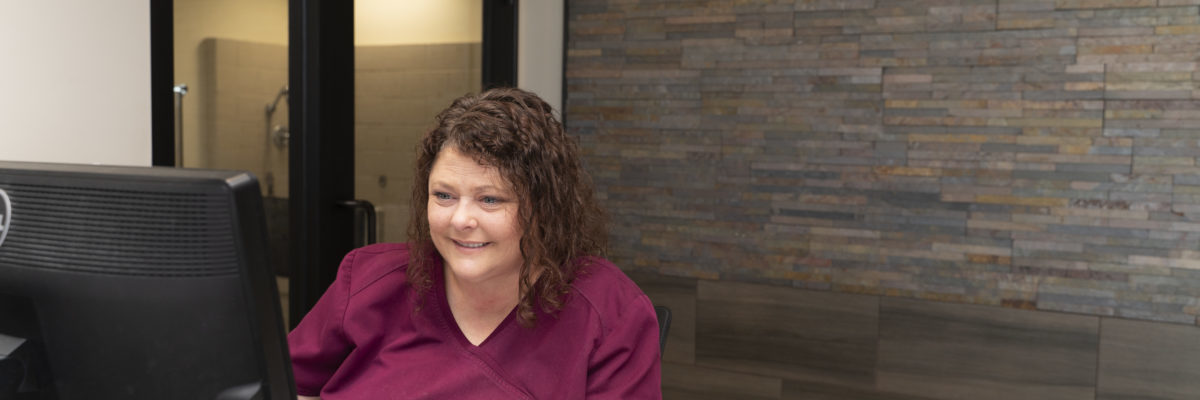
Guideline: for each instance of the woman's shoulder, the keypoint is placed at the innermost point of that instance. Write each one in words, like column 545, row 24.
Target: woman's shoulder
column 386, row 249
column 605, row 288
column 368, row 265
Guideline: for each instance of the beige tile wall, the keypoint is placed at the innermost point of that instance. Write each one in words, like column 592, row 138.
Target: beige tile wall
column 238, row 80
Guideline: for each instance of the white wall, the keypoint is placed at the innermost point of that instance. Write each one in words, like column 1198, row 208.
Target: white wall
column 75, row 81
column 540, row 49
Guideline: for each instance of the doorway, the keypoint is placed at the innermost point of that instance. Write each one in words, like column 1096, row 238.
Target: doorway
column 323, row 101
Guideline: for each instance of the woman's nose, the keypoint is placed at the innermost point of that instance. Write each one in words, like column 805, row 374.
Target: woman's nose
column 463, row 219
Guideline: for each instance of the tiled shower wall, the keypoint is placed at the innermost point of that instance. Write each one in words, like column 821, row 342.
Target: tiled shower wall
column 1025, row 154
column 238, row 79
column 236, row 82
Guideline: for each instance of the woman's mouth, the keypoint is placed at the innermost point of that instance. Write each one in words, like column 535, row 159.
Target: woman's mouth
column 470, row 245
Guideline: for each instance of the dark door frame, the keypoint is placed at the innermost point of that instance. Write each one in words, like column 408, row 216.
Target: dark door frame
column 162, row 82
column 321, row 121
column 321, row 151
column 499, row 56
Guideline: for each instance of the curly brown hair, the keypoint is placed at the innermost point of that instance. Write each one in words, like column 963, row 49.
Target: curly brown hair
column 516, row 132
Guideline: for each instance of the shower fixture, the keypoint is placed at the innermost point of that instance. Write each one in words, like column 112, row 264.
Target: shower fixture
column 283, row 92
column 278, row 134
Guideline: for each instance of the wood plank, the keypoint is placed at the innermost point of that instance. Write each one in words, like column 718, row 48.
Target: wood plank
column 786, row 332
column 1148, row 361
column 956, row 351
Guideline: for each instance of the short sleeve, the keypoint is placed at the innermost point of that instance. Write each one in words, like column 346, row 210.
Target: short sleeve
column 319, row 343
column 625, row 363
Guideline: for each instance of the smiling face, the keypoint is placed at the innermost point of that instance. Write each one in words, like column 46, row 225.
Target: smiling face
column 472, row 215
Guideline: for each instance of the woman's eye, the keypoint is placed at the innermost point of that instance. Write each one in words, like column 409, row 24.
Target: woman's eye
column 441, row 196
column 490, row 200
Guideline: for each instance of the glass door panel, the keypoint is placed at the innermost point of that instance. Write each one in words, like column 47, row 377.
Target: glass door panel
column 412, row 58
column 232, row 55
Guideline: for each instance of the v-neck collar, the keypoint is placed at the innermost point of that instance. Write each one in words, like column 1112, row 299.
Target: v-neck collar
column 478, row 355
column 448, row 321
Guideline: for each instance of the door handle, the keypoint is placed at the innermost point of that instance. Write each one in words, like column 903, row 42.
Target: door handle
column 367, row 212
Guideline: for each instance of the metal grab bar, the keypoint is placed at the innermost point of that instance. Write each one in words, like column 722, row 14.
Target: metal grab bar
column 367, row 211
column 180, row 91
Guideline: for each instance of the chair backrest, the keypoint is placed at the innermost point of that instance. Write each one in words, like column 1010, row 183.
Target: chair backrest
column 664, row 325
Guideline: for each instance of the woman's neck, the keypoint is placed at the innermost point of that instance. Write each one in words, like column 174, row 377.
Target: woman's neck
column 479, row 307
column 494, row 296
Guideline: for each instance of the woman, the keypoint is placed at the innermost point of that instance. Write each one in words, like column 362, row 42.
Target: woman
column 500, row 293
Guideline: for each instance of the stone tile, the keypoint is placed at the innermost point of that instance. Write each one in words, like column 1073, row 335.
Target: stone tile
column 785, row 332
column 1148, row 361
column 953, row 351
column 1013, row 107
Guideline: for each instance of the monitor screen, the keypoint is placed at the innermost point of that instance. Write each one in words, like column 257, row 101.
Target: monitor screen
column 136, row 283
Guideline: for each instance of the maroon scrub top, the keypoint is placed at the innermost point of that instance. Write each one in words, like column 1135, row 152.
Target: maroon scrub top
column 369, row 337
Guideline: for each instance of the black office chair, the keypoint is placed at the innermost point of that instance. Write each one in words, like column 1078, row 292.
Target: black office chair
column 664, row 325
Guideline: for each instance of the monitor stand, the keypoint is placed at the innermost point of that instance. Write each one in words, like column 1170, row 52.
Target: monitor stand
column 23, row 372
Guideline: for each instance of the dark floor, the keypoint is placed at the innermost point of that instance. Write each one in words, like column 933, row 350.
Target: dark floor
column 733, row 340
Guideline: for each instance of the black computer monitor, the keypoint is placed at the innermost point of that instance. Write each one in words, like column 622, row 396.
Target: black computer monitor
column 137, row 283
